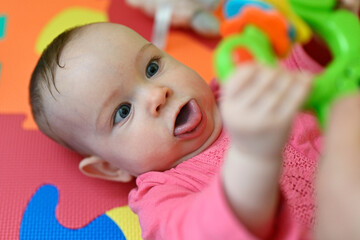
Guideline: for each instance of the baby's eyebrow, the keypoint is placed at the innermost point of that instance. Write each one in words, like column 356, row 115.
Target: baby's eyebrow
column 142, row 50
column 104, row 106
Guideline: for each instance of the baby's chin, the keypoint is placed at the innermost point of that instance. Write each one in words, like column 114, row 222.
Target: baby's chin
column 213, row 136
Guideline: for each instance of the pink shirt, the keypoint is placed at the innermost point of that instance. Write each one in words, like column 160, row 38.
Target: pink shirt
column 188, row 202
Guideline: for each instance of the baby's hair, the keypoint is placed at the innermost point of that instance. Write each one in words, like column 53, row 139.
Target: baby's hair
column 43, row 78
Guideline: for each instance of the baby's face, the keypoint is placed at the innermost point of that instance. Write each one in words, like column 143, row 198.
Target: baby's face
column 124, row 100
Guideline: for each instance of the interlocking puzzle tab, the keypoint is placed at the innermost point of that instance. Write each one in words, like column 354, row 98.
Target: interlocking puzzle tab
column 41, row 210
column 2, row 32
column 2, row 26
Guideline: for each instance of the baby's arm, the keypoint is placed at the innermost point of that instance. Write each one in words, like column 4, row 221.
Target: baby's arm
column 258, row 105
column 338, row 185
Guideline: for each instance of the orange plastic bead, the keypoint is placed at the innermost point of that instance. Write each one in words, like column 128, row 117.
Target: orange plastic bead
column 271, row 22
column 241, row 55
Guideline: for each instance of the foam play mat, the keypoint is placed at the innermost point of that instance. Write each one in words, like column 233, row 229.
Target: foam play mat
column 43, row 195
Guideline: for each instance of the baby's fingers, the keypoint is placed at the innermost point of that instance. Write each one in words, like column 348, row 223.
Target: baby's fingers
column 295, row 95
column 274, row 92
column 242, row 77
column 259, row 87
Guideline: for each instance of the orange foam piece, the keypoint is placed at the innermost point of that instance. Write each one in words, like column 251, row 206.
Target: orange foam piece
column 242, row 55
column 17, row 48
column 271, row 22
column 192, row 53
column 218, row 13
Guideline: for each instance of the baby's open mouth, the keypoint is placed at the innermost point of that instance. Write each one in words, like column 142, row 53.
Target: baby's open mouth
column 188, row 118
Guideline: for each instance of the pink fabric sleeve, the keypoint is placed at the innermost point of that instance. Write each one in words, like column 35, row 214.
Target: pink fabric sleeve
column 301, row 156
column 169, row 211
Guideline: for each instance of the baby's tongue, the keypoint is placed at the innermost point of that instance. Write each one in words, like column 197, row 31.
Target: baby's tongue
column 188, row 118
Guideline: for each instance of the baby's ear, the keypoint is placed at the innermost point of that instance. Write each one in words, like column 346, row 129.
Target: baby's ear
column 96, row 167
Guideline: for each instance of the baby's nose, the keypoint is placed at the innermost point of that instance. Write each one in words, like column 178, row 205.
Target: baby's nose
column 157, row 98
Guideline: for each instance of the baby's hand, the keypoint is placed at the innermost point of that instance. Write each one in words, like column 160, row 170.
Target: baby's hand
column 258, row 106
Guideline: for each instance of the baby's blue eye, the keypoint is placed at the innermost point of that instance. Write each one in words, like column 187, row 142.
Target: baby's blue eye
column 122, row 112
column 152, row 68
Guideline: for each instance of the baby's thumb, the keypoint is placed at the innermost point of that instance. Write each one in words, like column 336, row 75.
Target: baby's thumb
column 205, row 23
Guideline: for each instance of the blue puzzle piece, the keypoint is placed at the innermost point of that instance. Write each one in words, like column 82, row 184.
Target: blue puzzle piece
column 2, row 31
column 234, row 7
column 39, row 221
column 2, row 26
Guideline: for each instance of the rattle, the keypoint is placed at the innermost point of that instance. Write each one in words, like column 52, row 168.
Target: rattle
column 266, row 30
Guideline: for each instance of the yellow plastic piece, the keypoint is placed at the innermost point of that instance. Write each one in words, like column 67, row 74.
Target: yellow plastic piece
column 71, row 17
column 127, row 221
column 303, row 31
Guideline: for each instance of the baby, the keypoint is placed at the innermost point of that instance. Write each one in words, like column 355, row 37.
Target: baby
column 134, row 111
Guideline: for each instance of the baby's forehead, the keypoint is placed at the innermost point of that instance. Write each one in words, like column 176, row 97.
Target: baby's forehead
column 99, row 52
column 89, row 57
column 105, row 33
column 103, row 40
